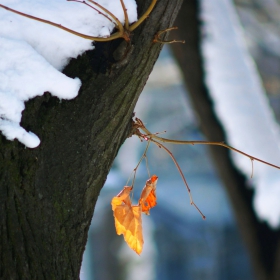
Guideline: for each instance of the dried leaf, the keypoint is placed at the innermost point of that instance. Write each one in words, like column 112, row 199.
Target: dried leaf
column 128, row 220
column 122, row 197
column 148, row 196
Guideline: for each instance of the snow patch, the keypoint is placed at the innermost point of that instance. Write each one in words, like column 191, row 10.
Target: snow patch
column 241, row 104
column 34, row 53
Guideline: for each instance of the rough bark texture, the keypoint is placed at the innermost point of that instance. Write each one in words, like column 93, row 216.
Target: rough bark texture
column 262, row 242
column 48, row 194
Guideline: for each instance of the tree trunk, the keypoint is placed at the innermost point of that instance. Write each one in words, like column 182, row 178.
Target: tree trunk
column 48, row 194
column 262, row 241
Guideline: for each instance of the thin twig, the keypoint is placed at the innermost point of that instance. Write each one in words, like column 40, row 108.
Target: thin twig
column 181, row 173
column 123, row 31
column 157, row 38
column 143, row 17
column 126, row 23
column 120, row 26
column 112, row 37
column 180, row 142
column 135, row 169
column 84, row 2
column 148, row 136
column 147, row 166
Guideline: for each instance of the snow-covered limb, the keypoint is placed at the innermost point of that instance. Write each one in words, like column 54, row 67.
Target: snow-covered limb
column 241, row 104
column 123, row 29
column 33, row 53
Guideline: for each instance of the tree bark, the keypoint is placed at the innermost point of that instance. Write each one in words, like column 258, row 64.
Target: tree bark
column 48, row 194
column 262, row 241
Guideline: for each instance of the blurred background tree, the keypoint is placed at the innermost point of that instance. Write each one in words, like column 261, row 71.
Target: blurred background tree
column 233, row 243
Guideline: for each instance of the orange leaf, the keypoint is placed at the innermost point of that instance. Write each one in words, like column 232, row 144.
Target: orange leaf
column 122, row 197
column 148, row 196
column 128, row 220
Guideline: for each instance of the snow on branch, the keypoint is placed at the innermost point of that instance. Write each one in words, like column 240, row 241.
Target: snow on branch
column 33, row 53
column 241, row 104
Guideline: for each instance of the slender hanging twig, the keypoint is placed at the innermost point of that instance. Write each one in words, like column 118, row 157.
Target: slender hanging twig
column 144, row 155
column 181, row 173
column 151, row 137
column 180, row 142
column 147, row 166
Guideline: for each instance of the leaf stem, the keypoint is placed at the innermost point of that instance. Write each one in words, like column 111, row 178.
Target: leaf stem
column 135, row 169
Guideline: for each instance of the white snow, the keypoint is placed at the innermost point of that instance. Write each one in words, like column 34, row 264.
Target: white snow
column 34, row 53
column 241, row 104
